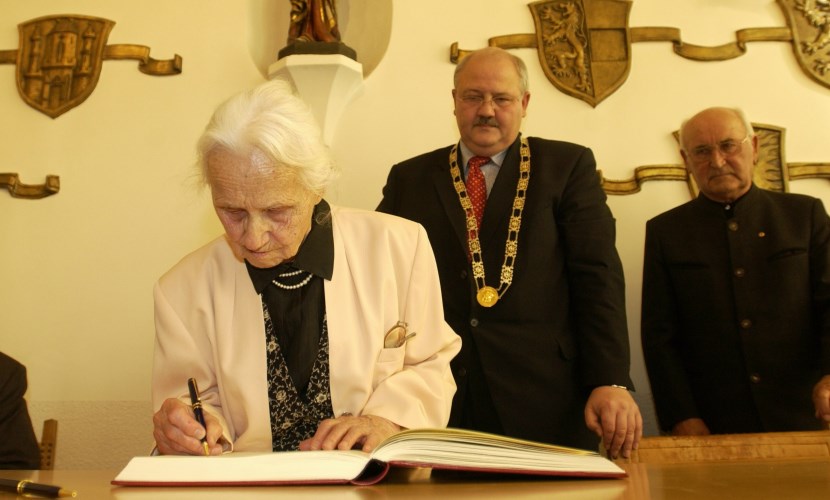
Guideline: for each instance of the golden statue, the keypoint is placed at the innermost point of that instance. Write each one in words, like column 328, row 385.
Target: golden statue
column 313, row 21
column 313, row 30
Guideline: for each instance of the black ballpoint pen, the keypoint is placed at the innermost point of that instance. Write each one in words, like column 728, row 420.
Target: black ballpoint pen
column 196, row 403
column 28, row 488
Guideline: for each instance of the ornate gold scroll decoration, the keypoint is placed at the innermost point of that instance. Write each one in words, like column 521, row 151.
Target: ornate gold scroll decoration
column 584, row 46
column 772, row 172
column 31, row 191
column 60, row 59
column 642, row 174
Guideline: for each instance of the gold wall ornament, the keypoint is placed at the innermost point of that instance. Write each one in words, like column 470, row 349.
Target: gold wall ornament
column 772, row 172
column 810, row 23
column 31, row 191
column 60, row 58
column 585, row 54
column 584, row 46
column 668, row 172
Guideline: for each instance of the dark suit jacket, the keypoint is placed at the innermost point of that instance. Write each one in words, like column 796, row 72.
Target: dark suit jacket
column 528, row 363
column 18, row 444
column 736, row 311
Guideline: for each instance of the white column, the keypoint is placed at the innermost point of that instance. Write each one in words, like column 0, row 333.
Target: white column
column 327, row 82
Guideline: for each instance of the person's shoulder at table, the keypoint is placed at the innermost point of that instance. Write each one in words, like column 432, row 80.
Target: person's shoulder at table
column 215, row 251
column 12, row 371
column 371, row 220
column 784, row 202
column 540, row 144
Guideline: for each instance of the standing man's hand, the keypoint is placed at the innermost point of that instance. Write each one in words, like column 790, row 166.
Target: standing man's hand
column 690, row 427
column 614, row 416
column 821, row 399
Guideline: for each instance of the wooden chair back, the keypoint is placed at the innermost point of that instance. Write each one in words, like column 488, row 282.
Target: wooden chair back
column 48, row 444
column 722, row 447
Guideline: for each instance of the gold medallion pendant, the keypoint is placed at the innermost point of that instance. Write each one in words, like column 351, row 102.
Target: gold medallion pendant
column 487, row 296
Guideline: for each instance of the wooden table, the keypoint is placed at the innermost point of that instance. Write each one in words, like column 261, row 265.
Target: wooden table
column 756, row 480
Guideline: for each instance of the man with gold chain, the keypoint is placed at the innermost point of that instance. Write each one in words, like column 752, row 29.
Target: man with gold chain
column 530, row 276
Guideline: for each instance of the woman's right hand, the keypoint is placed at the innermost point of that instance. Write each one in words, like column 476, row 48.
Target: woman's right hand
column 177, row 432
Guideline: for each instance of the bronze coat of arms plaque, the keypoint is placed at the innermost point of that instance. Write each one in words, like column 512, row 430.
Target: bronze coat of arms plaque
column 810, row 24
column 60, row 58
column 584, row 47
column 59, row 61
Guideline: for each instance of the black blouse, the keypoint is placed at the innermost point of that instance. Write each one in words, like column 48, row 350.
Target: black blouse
column 297, row 314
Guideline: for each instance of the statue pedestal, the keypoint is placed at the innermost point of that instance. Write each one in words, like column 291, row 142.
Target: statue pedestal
column 314, row 47
column 326, row 82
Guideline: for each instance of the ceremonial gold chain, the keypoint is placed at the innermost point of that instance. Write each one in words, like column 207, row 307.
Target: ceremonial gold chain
column 487, row 296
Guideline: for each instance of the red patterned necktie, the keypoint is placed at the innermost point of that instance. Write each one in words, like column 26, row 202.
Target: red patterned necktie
column 476, row 187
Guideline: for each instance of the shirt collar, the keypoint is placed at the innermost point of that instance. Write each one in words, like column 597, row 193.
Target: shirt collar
column 315, row 255
column 466, row 154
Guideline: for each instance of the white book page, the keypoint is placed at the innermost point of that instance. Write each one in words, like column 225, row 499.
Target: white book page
column 246, row 467
column 475, row 450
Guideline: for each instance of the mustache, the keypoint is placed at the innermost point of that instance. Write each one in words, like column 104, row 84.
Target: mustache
column 488, row 121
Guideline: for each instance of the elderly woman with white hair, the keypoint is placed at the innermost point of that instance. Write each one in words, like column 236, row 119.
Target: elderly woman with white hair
column 298, row 324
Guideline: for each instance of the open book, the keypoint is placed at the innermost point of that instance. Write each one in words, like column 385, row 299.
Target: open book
column 452, row 449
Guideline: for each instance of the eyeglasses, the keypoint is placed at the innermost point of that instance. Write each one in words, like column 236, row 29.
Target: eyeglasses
column 727, row 148
column 476, row 100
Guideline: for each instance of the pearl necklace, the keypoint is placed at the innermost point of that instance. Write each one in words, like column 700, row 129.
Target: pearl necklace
column 301, row 284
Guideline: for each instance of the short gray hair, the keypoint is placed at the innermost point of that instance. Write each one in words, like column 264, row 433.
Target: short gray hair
column 518, row 63
column 270, row 118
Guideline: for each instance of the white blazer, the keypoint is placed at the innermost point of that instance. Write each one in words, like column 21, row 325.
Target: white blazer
column 209, row 325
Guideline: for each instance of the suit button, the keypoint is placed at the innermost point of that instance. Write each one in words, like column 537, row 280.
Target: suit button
column 740, row 272
column 754, row 378
column 733, row 226
column 462, row 372
column 464, row 274
column 746, row 323
column 474, row 322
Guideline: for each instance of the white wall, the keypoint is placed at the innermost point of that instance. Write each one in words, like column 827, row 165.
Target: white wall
column 78, row 268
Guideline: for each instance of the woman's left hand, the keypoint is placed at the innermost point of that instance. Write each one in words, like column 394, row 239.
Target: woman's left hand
column 347, row 432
